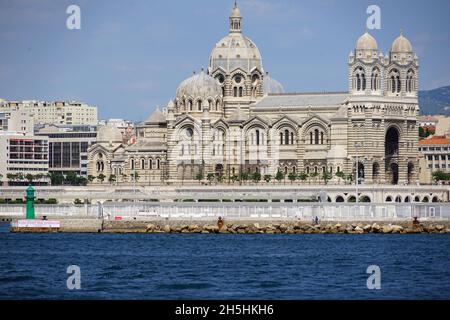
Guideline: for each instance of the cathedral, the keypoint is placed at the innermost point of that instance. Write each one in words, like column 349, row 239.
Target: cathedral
column 234, row 118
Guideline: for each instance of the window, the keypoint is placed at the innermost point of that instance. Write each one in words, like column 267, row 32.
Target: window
column 286, row 137
column 257, row 137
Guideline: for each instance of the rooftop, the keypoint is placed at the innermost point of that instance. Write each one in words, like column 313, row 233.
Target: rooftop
column 435, row 140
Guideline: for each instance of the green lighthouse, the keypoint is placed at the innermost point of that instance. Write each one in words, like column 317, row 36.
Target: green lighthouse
column 30, row 203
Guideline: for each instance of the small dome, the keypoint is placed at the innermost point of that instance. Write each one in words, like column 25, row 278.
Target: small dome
column 366, row 42
column 271, row 85
column 109, row 134
column 235, row 12
column 156, row 117
column 401, row 45
column 199, row 86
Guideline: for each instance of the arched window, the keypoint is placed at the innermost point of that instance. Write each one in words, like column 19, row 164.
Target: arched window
column 410, row 85
column 235, row 91
column 395, row 83
column 321, row 138
column 150, row 164
column 292, row 138
column 199, row 105
column 311, row 138
column 360, row 79
column 241, row 91
column 132, row 164
column 281, row 138
column 190, row 105
column 316, row 136
column 375, row 79
column 286, row 136
column 158, row 164
column 142, row 164
column 257, row 137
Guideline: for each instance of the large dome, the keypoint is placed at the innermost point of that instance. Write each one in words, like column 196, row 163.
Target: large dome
column 401, row 45
column 199, row 86
column 109, row 134
column 271, row 85
column 366, row 42
column 235, row 51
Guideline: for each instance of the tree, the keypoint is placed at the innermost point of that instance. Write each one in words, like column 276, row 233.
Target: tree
column 71, row 178
column 135, row 176
column 234, row 178
column 90, row 178
column 267, row 178
column 11, row 177
column 326, row 176
column 199, row 177
column 244, row 176
column 220, row 178
column 350, row 178
column 81, row 181
column 303, row 176
column 440, row 176
column 30, row 178
column 279, row 176
column 314, row 176
column 20, row 176
column 56, row 179
column 210, row 176
column 256, row 177
column 340, row 175
column 292, row 177
column 112, row 178
column 101, row 177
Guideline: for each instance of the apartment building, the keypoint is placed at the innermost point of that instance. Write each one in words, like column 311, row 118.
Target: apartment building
column 58, row 112
column 434, row 155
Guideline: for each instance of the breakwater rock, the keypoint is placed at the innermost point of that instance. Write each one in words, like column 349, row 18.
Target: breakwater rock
column 277, row 228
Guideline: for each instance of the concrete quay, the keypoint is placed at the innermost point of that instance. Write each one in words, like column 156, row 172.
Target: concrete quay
column 210, row 226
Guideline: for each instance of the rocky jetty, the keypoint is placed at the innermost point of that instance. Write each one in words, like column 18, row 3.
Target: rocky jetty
column 277, row 228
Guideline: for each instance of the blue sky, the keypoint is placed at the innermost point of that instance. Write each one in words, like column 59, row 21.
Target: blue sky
column 130, row 56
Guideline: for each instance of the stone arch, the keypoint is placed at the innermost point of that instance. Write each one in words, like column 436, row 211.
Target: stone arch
column 388, row 199
column 435, row 199
column 426, row 199
column 339, row 199
column 351, row 199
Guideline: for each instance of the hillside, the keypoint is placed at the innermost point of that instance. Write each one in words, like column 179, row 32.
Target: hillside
column 436, row 101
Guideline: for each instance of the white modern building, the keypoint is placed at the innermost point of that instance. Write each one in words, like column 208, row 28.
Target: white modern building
column 68, row 145
column 16, row 120
column 21, row 155
column 58, row 112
